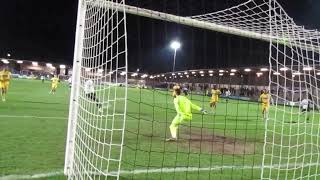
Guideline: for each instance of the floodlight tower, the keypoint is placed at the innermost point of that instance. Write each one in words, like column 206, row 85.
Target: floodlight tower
column 175, row 45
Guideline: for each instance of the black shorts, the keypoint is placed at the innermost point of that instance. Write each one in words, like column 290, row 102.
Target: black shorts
column 305, row 110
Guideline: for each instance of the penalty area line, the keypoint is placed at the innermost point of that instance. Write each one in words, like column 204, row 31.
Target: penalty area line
column 195, row 122
column 163, row 170
column 28, row 116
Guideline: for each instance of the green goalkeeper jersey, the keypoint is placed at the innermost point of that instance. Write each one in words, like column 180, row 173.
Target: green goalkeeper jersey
column 184, row 107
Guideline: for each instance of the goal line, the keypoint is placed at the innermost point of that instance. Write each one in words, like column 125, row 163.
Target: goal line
column 159, row 170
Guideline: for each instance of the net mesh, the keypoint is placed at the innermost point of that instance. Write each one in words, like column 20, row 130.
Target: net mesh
column 233, row 143
column 291, row 136
column 100, row 88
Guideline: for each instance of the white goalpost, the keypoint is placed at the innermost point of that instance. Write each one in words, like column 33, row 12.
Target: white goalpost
column 99, row 92
column 98, row 97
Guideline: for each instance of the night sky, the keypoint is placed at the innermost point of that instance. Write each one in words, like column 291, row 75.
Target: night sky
column 44, row 31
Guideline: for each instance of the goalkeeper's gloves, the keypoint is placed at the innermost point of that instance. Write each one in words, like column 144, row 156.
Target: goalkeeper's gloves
column 203, row 111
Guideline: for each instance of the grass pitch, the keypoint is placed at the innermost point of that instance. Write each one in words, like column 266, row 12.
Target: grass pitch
column 226, row 144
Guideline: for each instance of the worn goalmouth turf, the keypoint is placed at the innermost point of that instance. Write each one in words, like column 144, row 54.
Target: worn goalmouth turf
column 226, row 144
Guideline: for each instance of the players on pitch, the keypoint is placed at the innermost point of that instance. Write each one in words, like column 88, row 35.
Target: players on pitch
column 183, row 108
column 265, row 103
column 5, row 76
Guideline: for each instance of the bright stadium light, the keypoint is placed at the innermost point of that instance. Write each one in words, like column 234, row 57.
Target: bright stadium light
column 233, row 70
column 173, row 74
column 185, row 73
column 123, row 73
column 158, row 75
column 318, row 73
column 297, row 73
column 62, row 66
column 99, row 70
column 19, row 62
column 175, row 45
column 193, row 72
column 276, row 73
column 232, row 74
column 284, row 69
column 202, row 75
column 49, row 65
column 220, row 74
column 210, row 74
column 264, row 69
column 187, row 76
column 221, row 71
column 5, row 61
column 247, row 70
column 259, row 74
column 181, row 76
column 134, row 74
column 210, row 71
column 307, row 68
column 201, row 72
column 162, row 75
column 35, row 63
column 144, row 76
column 179, row 73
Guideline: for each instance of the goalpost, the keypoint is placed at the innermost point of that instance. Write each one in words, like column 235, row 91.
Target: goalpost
column 97, row 121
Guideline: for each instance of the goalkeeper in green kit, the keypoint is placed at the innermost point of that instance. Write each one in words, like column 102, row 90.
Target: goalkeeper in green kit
column 184, row 108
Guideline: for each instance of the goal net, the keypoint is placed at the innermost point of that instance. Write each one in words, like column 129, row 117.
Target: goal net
column 235, row 143
column 98, row 97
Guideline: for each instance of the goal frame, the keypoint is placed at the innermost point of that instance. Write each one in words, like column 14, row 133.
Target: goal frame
column 74, row 96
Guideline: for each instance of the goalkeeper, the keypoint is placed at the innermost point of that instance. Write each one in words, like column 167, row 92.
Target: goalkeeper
column 184, row 108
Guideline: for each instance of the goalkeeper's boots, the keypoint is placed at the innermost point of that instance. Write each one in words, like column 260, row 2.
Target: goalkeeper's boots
column 171, row 139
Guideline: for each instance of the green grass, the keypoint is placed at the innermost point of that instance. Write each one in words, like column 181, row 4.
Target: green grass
column 34, row 125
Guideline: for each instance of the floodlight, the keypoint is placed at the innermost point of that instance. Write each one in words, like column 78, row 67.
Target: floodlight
column 175, row 45
column 307, row 68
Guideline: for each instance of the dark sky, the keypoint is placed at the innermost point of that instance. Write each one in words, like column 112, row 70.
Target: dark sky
column 44, row 31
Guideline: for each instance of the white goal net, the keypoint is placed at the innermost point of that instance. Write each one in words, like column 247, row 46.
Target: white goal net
column 291, row 147
column 98, row 98
column 97, row 118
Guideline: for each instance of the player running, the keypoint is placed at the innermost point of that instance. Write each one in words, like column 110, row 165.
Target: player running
column 183, row 108
column 90, row 93
column 54, row 84
column 42, row 78
column 215, row 93
column 305, row 107
column 70, row 81
column 228, row 94
column 5, row 77
column 265, row 103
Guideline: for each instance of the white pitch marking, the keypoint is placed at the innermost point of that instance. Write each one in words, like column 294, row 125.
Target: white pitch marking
column 163, row 170
column 28, row 116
